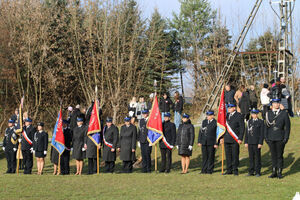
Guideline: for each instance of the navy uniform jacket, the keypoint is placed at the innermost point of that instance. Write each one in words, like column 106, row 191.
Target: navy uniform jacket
column 111, row 136
column 255, row 132
column 169, row 130
column 143, row 132
column 30, row 131
column 68, row 134
column 10, row 139
column 237, row 124
column 207, row 134
column 40, row 141
column 127, row 142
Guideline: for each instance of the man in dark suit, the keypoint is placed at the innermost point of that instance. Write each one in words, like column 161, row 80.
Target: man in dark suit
column 253, row 141
column 277, row 132
column 167, row 143
column 10, row 145
column 207, row 142
column 142, row 138
column 233, row 138
column 65, row 157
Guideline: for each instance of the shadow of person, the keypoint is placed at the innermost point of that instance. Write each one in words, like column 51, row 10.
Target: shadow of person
column 295, row 168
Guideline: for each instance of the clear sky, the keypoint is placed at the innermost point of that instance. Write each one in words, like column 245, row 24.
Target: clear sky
column 234, row 14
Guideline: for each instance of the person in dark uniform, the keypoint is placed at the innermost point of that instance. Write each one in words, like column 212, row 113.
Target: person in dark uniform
column 110, row 143
column 143, row 142
column 277, row 132
column 184, row 142
column 79, row 133
column 235, row 121
column 166, row 144
column 10, row 145
column 91, row 153
column 127, row 145
column 40, row 146
column 27, row 145
column 253, row 141
column 208, row 142
column 65, row 156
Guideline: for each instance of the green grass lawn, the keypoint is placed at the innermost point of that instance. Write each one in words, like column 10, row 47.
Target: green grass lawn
column 162, row 186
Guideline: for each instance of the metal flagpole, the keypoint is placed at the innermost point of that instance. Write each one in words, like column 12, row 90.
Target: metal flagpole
column 96, row 94
column 223, row 158
column 155, row 147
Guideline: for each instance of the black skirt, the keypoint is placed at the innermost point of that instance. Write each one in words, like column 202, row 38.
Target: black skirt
column 54, row 156
column 40, row 154
column 184, row 151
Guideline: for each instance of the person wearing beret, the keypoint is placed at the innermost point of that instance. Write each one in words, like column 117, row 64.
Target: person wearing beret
column 79, row 134
column 40, row 147
column 27, row 145
column 127, row 145
column 166, row 144
column 277, row 132
column 65, row 156
column 184, row 142
column 143, row 142
column 110, row 143
column 208, row 142
column 10, row 145
column 233, row 139
column 253, row 141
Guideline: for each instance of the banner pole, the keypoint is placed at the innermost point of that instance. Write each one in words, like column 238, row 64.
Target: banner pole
column 156, row 157
column 58, row 167
column 222, row 158
column 18, row 157
column 97, row 159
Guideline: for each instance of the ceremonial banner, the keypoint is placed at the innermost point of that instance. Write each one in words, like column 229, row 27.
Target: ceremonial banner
column 94, row 125
column 19, row 123
column 221, row 123
column 154, row 124
column 58, row 138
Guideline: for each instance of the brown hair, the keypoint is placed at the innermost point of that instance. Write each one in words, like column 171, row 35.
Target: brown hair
column 176, row 96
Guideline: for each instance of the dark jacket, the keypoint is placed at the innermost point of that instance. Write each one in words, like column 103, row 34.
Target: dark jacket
column 40, row 141
column 165, row 104
column 73, row 119
column 244, row 103
column 229, row 96
column 252, row 96
column 79, row 133
column 91, row 151
column 68, row 134
column 169, row 130
column 207, row 134
column 236, row 122
column 185, row 138
column 275, row 92
column 127, row 142
column 10, row 139
column 277, row 127
column 30, row 131
column 255, row 132
column 178, row 105
column 111, row 136
column 143, row 132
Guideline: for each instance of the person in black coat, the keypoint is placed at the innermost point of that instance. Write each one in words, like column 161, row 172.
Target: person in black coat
column 79, row 134
column 10, row 145
column 65, row 156
column 127, row 145
column 166, row 144
column 27, row 145
column 208, row 142
column 165, row 105
column 54, row 155
column 253, row 141
column 40, row 147
column 110, row 142
column 244, row 103
column 232, row 142
column 277, row 132
column 143, row 142
column 73, row 118
column 229, row 95
column 184, row 142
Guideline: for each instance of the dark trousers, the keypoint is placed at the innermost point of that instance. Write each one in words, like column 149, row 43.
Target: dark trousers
column 27, row 161
column 232, row 151
column 11, row 161
column 265, row 110
column 277, row 150
column 92, row 165
column 146, row 157
column 253, row 105
column 254, row 158
column 246, row 116
column 127, row 166
column 109, row 166
column 65, row 162
column 208, row 158
column 166, row 159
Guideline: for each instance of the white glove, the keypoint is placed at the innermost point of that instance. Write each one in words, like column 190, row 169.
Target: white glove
column 3, row 148
column 139, row 144
column 45, row 152
column 83, row 149
column 15, row 149
column 31, row 150
column 20, row 140
column 190, row 147
column 177, row 146
column 71, row 149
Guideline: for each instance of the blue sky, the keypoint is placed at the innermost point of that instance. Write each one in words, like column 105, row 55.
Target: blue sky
column 234, row 14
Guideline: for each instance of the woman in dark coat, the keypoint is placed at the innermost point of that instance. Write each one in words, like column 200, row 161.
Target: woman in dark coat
column 40, row 146
column 110, row 142
column 127, row 145
column 79, row 133
column 185, row 141
column 54, row 155
column 91, row 154
column 244, row 103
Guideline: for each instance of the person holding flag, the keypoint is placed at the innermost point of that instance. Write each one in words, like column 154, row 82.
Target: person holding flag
column 233, row 137
column 10, row 145
column 208, row 142
column 184, row 142
column 65, row 156
column 167, row 143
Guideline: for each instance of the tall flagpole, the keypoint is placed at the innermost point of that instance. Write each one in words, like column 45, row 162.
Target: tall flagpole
column 96, row 95
column 21, row 127
column 155, row 147
column 223, row 158
column 59, row 155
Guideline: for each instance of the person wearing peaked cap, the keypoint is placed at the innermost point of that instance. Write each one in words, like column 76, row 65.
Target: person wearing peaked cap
column 277, row 132
column 184, row 142
column 65, row 157
column 146, row 111
column 109, row 119
column 40, row 147
column 207, row 142
column 253, row 141
column 127, row 145
column 73, row 118
column 10, row 145
column 27, row 145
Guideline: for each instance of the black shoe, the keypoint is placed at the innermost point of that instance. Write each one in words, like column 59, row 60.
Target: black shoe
column 167, row 171
column 227, row 173
column 258, row 175
column 280, row 176
column 250, row 174
column 236, row 173
column 162, row 171
column 274, row 173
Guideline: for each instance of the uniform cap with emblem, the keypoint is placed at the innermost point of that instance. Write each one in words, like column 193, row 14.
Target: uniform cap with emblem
column 109, row 119
column 28, row 119
column 210, row 112
column 127, row 119
column 40, row 124
column 66, row 121
column 79, row 119
column 11, row 121
column 254, row 111
column 167, row 114
column 184, row 115
column 146, row 111
column 275, row 100
column 231, row 105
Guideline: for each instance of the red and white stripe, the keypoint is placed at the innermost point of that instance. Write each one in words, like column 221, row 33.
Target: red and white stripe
column 26, row 137
column 167, row 144
column 232, row 133
column 107, row 143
